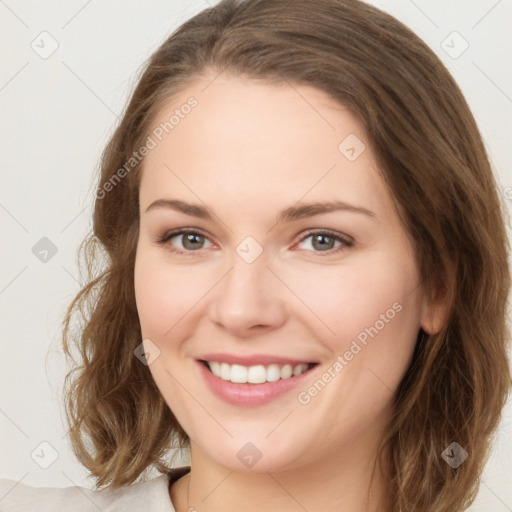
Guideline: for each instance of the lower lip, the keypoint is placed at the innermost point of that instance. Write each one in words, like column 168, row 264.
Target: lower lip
column 250, row 395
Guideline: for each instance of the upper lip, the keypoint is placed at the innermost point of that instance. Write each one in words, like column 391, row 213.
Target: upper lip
column 253, row 360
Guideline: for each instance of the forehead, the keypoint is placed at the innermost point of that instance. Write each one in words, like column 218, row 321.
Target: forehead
column 246, row 139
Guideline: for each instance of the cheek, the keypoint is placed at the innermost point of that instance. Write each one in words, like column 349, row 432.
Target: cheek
column 375, row 316
column 157, row 306
column 368, row 312
column 166, row 296
column 348, row 299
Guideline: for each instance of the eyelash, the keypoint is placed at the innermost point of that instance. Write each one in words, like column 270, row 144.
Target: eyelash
column 346, row 242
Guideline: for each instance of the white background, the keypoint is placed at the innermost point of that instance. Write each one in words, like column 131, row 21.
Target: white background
column 56, row 115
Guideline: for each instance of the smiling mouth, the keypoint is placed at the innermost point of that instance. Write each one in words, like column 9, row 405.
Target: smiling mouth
column 256, row 374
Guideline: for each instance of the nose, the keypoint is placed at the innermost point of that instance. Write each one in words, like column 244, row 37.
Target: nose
column 249, row 299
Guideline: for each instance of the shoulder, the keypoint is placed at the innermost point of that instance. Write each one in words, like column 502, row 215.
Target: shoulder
column 150, row 496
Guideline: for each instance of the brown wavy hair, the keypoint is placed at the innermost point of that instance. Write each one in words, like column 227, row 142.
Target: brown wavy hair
column 433, row 160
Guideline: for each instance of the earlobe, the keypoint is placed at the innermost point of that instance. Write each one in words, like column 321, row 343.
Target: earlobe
column 435, row 312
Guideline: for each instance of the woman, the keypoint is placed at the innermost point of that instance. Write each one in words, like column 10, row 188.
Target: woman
column 337, row 338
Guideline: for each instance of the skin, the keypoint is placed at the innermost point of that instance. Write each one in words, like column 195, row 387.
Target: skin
column 248, row 150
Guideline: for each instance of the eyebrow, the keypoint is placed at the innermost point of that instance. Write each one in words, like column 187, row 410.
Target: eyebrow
column 287, row 215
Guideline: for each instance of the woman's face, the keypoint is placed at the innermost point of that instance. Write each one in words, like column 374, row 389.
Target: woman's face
column 265, row 275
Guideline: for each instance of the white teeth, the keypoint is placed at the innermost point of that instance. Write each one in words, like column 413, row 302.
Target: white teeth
column 255, row 374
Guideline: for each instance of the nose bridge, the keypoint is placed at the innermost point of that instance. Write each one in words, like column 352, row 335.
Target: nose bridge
column 248, row 294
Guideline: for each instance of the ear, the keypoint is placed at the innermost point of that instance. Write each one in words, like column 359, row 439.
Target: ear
column 434, row 314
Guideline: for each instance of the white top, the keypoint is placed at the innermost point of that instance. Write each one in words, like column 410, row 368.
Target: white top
column 151, row 496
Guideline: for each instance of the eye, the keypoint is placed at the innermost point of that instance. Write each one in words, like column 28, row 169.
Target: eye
column 325, row 240
column 192, row 240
